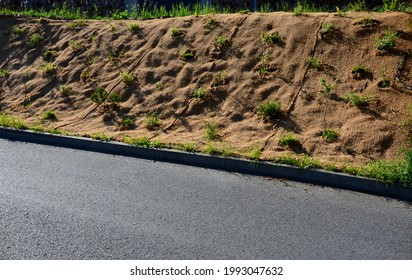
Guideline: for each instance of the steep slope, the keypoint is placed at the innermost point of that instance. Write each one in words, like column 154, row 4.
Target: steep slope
column 90, row 54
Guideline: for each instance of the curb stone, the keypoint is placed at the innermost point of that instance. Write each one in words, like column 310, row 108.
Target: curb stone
column 261, row 168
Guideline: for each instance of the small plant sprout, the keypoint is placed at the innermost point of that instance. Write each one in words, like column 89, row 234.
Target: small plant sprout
column 211, row 131
column 385, row 82
column 35, row 39
column 271, row 38
column 175, row 32
column 288, row 141
column 358, row 71
column 159, row 86
column 114, row 54
column 269, row 110
column 101, row 136
column 126, row 123
column 75, row 45
column 298, row 10
column 221, row 41
column 329, row 135
column 153, row 121
column 315, row 62
column 254, row 153
column 85, row 75
column 264, row 68
column 20, row 30
column 112, row 28
column 4, row 73
column 63, row 89
column 220, row 79
column 114, row 99
column 126, row 78
column 387, row 40
column 99, row 95
column 326, row 29
column 355, row 99
column 210, row 23
column 49, row 54
column 200, row 93
column 49, row 116
column 186, row 55
column 327, row 88
column 48, row 68
column 134, row 27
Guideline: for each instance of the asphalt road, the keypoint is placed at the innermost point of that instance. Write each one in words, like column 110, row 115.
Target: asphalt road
column 58, row 203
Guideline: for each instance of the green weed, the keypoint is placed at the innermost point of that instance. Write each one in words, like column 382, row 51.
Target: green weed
column 126, row 77
column 329, row 135
column 220, row 79
column 210, row 23
column 35, row 39
column 200, row 93
column 288, row 141
column 64, row 89
column 152, row 121
column 187, row 147
column 211, row 131
column 126, row 123
column 326, row 28
column 187, row 55
column 75, row 45
column 49, row 116
column 134, row 27
column 387, row 40
column 4, row 73
column 20, row 30
column 99, row 95
column 101, row 136
column 315, row 62
column 48, row 68
column 327, row 87
column 85, row 75
column 355, row 99
column 221, row 41
column 9, row 121
column 175, row 32
column 269, row 109
column 271, row 38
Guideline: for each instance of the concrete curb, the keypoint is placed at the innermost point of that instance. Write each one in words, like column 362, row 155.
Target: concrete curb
column 312, row 176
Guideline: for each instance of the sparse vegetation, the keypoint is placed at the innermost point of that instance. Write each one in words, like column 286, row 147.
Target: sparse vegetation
column 20, row 30
column 326, row 29
column 49, row 54
column 210, row 23
column 329, row 135
column 134, row 27
column 221, row 41
column 127, row 122
column 48, row 68
column 327, row 87
column 200, row 93
column 187, row 147
column 35, row 39
column 85, row 75
column 99, row 95
column 269, row 110
column 298, row 10
column 271, row 38
column 75, row 45
column 64, row 89
column 159, row 86
column 187, row 55
column 211, row 131
column 175, row 32
column 126, row 78
column 219, row 79
column 153, row 121
column 49, row 116
column 288, row 141
column 356, row 100
column 113, row 54
column 101, row 136
column 315, row 62
column 358, row 71
column 4, row 73
column 387, row 40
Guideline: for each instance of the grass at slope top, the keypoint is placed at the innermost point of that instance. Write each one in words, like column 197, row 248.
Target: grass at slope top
column 335, row 89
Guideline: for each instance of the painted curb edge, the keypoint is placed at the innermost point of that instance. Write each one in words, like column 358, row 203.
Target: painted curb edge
column 260, row 168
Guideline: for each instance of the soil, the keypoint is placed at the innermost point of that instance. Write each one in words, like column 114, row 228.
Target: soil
column 164, row 83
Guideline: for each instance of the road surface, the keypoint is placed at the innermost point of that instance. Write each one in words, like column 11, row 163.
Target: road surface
column 58, row 203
